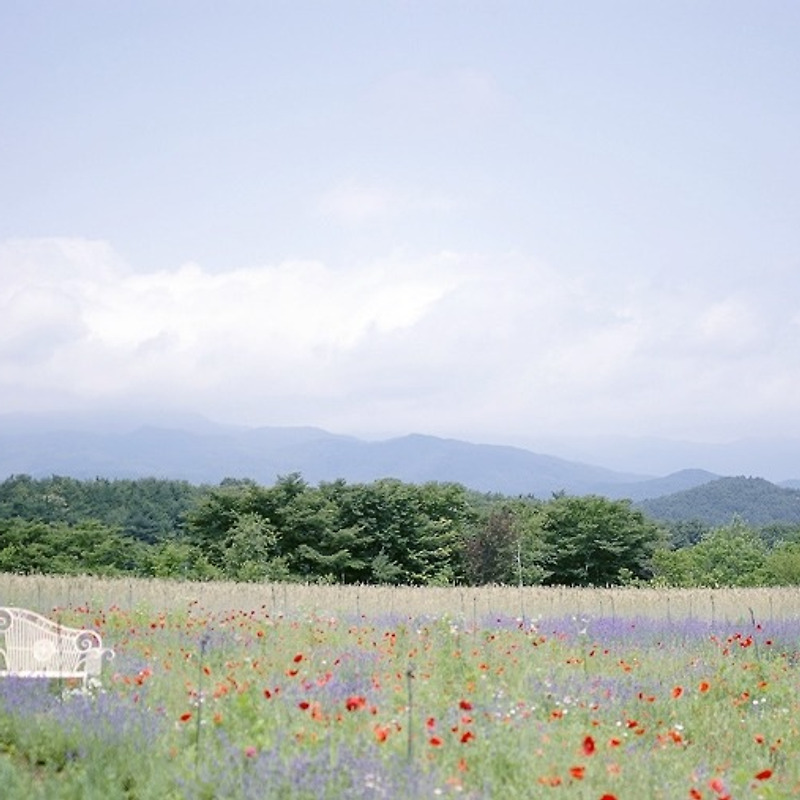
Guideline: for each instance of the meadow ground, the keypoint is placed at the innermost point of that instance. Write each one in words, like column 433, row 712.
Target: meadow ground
column 273, row 691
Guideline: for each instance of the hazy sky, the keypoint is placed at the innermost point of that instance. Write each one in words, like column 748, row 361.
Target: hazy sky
column 491, row 220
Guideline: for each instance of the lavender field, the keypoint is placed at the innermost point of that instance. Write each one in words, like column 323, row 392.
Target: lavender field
column 358, row 701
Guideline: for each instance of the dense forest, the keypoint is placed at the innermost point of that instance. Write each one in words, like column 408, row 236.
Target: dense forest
column 383, row 532
column 754, row 500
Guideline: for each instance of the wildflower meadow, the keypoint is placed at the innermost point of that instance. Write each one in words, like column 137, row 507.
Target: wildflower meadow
column 262, row 693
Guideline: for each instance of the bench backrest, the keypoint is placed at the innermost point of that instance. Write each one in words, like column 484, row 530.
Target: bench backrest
column 30, row 642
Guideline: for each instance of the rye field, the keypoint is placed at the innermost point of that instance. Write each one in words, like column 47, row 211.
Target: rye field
column 283, row 691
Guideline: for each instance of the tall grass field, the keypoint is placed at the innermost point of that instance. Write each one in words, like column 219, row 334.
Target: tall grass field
column 285, row 691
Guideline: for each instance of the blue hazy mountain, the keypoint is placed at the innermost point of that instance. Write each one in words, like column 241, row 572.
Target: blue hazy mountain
column 194, row 449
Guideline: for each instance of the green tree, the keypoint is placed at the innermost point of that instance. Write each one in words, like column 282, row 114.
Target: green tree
column 147, row 509
column 174, row 559
column 490, row 548
column 782, row 565
column 405, row 533
column 58, row 548
column 209, row 523
column 504, row 544
column 594, row 541
column 251, row 551
column 731, row 555
column 685, row 533
column 777, row 533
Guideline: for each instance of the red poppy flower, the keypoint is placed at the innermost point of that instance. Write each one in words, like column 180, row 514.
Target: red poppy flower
column 186, row 716
column 550, row 780
column 355, row 702
column 381, row 733
column 588, row 745
column 577, row 772
column 677, row 692
column 466, row 736
column 465, row 705
column 717, row 785
column 695, row 794
column 608, row 797
column 704, row 686
column 435, row 741
column 765, row 774
column 298, row 658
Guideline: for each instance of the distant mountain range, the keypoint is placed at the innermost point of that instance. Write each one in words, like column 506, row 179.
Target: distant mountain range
column 201, row 452
column 776, row 458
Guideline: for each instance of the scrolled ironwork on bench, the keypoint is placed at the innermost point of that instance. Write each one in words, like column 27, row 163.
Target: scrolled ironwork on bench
column 33, row 646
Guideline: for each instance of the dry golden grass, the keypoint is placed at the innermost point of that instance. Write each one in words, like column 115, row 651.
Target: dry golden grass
column 470, row 604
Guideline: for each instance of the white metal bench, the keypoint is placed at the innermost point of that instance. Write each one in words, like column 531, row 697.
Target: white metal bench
column 32, row 646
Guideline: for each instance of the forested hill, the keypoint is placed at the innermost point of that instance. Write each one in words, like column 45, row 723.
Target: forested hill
column 146, row 509
column 754, row 500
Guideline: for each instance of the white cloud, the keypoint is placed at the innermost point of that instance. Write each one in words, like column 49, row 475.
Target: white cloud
column 457, row 344
column 267, row 329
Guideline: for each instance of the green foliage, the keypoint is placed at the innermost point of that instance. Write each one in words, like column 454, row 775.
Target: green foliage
column 685, row 533
column 66, row 745
column 755, row 500
column 312, row 705
column 87, row 547
column 594, row 541
column 732, row 555
column 777, row 533
column 491, row 547
column 148, row 509
column 179, row 560
column 504, row 544
column 384, row 532
column 782, row 565
column 65, row 526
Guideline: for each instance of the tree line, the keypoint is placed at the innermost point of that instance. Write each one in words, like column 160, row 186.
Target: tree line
column 383, row 532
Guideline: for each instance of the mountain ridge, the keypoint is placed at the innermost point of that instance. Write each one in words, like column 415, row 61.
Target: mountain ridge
column 755, row 501
column 264, row 453
column 205, row 452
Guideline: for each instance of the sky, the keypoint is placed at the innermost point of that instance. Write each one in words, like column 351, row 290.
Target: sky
column 496, row 221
